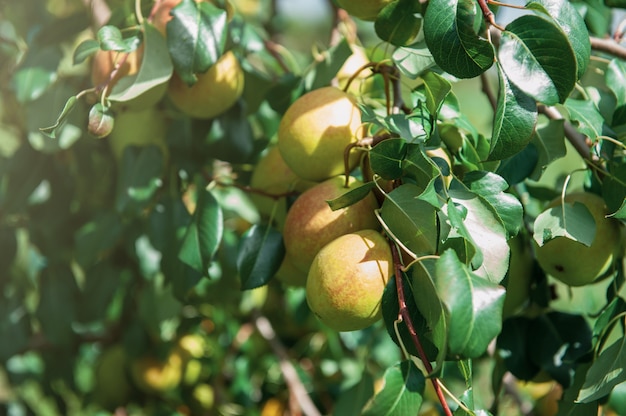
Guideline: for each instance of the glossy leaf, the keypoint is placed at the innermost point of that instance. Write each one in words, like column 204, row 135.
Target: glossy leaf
column 261, row 252
column 606, row 372
column 351, row 197
column 450, row 36
column 519, row 166
column 616, row 82
column 473, row 219
column 204, row 234
column 491, row 188
column 586, row 116
column 111, row 39
column 196, row 37
column 473, row 305
column 538, row 58
column 573, row 221
column 386, row 158
column 411, row 220
column 515, row 119
column 414, row 59
column 154, row 73
column 402, row 392
column 436, row 89
column 572, row 23
column 84, row 50
column 397, row 24
column 614, row 192
column 549, row 140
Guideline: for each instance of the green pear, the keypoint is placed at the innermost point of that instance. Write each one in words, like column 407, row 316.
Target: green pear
column 311, row 224
column 272, row 176
column 518, row 277
column 345, row 285
column 572, row 262
column 315, row 131
column 112, row 388
column 139, row 128
column 363, row 9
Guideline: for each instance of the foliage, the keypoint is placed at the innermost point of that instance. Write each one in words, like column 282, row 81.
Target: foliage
column 140, row 242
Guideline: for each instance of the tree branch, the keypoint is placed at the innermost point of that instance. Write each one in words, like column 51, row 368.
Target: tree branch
column 608, row 46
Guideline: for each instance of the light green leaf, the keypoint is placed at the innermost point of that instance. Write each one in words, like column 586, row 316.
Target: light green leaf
column 586, row 116
column 351, row 197
column 402, row 393
column 53, row 130
column 573, row 221
column 549, row 140
column 616, row 81
column 414, row 59
column 450, row 36
column 436, row 89
column 538, row 58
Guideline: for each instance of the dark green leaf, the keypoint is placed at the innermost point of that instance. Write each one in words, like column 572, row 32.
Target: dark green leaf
column 549, row 140
column 606, row 372
column 204, row 234
column 515, row 119
column 57, row 304
column 538, row 58
column 102, row 281
column 15, row 326
column 586, row 116
column 84, row 50
column 351, row 400
column 140, row 176
column 231, row 137
column 614, row 191
column 410, row 220
column 386, row 158
column 397, row 24
column 616, row 82
column 402, row 392
column 97, row 237
column 261, row 252
column 520, row 166
column 196, row 37
column 511, row 347
column 573, row 221
column 351, row 197
column 473, row 305
column 572, row 23
column 450, row 36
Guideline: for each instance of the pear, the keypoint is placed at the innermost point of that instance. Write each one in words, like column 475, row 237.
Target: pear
column 572, row 262
column 112, row 388
column 139, row 128
column 315, row 130
column 155, row 376
column 363, row 9
column 345, row 284
column 311, row 224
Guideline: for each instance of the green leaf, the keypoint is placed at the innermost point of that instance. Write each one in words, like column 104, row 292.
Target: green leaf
column 57, row 305
column 411, row 220
column 386, row 158
column 491, row 188
column 261, row 252
column 414, row 59
column 615, row 77
column 520, row 166
column 53, row 130
column 97, row 237
column 436, row 89
column 36, row 73
column 614, row 191
column 204, row 234
column 110, row 38
column 473, row 219
column 606, row 372
column 231, row 137
column 586, row 116
column 325, row 70
column 402, row 393
column 549, row 140
column 573, row 221
column 15, row 325
column 450, row 36
column 538, row 58
column 351, row 400
column 397, row 24
column 515, row 119
column 196, row 37
column 473, row 305
column 102, row 281
column 84, row 50
column 512, row 347
column 351, row 197
column 150, row 82
column 140, row 175
column 572, row 24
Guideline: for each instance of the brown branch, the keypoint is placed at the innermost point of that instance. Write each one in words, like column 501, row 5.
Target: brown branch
column 608, row 46
column 296, row 388
column 403, row 316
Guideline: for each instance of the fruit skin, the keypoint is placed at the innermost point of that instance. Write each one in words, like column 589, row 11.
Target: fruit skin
column 345, row 284
column 272, row 175
column 363, row 82
column 518, row 277
column 315, row 130
column 311, row 224
column 214, row 92
column 572, row 262
column 154, row 376
column 140, row 128
column 103, row 63
column 363, row 9
column 162, row 15
column 112, row 388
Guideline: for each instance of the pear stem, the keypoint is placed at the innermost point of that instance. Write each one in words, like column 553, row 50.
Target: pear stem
column 403, row 315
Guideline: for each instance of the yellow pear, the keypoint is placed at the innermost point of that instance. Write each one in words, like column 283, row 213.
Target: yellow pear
column 215, row 91
column 572, row 262
column 364, row 80
column 103, row 63
column 311, row 224
column 156, row 376
column 363, row 9
column 272, row 175
column 139, row 128
column 347, row 278
column 315, row 130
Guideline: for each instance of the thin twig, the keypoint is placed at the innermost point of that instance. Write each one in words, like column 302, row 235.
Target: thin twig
column 608, row 46
column 264, row 327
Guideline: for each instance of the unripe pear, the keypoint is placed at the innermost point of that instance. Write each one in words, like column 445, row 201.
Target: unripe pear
column 214, row 92
column 363, row 9
column 311, row 224
column 139, row 128
column 345, row 284
column 112, row 388
column 155, row 376
column 518, row 277
column 315, row 130
column 272, row 175
column 572, row 262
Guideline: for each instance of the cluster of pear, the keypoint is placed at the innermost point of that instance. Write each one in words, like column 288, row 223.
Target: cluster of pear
column 340, row 256
column 119, row 376
column 214, row 92
column 574, row 263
